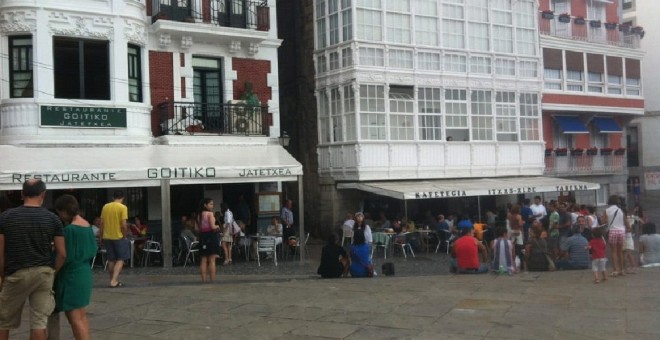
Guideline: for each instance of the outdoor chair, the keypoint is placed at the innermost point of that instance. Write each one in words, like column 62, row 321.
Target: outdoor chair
column 403, row 241
column 295, row 250
column 380, row 240
column 447, row 236
column 268, row 245
column 150, row 247
column 191, row 248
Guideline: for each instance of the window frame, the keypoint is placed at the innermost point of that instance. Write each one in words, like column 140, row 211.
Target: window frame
column 27, row 64
column 135, row 73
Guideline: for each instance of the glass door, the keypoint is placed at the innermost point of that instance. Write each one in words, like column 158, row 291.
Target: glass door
column 207, row 91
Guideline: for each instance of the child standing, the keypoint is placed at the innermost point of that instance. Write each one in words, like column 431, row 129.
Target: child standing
column 598, row 258
column 629, row 248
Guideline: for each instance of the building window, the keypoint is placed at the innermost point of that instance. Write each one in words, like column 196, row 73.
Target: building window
column 456, row 114
column 134, row 74
column 480, row 65
column 505, row 117
column 502, row 39
column 334, row 61
column 429, row 105
column 398, row 23
column 482, row 114
column 453, row 25
column 321, row 64
column 614, row 84
column 426, row 22
column 349, row 110
column 428, row 61
column 336, row 112
column 346, row 20
column 324, row 119
column 525, row 13
column 628, row 4
column 321, row 41
column 552, row 79
column 372, row 112
column 333, row 21
column 371, row 56
column 455, row 63
column 370, row 21
column 525, row 41
column 529, row 117
column 401, row 113
column 401, row 59
column 505, row 67
column 20, row 67
column 527, row 69
column 479, row 37
column 574, row 81
column 595, row 82
column 632, row 86
column 81, row 68
column 346, row 57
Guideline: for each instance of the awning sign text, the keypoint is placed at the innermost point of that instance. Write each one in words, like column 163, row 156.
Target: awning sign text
column 577, row 187
column 62, row 178
column 512, row 191
column 83, row 117
column 440, row 194
column 272, row 172
column 183, row 172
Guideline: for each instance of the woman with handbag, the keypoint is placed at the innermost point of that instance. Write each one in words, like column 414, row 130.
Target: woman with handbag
column 536, row 251
column 208, row 239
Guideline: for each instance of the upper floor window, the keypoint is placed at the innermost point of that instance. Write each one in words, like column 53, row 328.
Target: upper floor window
column 134, row 74
column 20, row 67
column 628, row 4
column 82, row 68
column 370, row 21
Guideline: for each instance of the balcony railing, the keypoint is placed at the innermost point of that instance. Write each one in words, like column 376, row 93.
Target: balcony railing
column 584, row 32
column 583, row 164
column 249, row 14
column 178, row 118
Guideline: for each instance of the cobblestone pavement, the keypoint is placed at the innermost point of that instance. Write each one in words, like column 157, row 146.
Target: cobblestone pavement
column 421, row 302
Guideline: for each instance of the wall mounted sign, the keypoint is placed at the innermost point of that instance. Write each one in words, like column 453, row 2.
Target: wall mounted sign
column 83, row 116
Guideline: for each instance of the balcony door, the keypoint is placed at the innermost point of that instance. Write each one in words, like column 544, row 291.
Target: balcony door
column 559, row 7
column 178, row 10
column 232, row 13
column 207, row 91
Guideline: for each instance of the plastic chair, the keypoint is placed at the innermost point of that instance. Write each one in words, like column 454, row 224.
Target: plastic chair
column 150, row 247
column 405, row 243
column 295, row 250
column 191, row 248
column 380, row 240
column 266, row 244
column 447, row 234
column 104, row 260
column 243, row 242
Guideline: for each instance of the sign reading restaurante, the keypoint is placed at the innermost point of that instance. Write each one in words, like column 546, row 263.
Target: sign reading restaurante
column 83, row 117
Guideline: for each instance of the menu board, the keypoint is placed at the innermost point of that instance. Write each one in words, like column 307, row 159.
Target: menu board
column 269, row 202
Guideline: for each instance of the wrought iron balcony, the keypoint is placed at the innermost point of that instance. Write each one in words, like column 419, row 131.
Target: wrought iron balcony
column 586, row 31
column 179, row 118
column 563, row 163
column 248, row 14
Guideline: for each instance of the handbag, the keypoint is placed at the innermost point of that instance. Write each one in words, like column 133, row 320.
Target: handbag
column 370, row 270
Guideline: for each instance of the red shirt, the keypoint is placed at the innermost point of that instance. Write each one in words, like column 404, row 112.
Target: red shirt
column 467, row 253
column 597, row 245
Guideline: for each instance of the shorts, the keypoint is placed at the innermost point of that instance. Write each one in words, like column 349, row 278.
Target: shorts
column 516, row 237
column 35, row 284
column 117, row 249
column 628, row 243
column 598, row 265
column 616, row 236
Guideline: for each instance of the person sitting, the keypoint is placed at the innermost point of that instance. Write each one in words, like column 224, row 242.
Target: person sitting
column 649, row 245
column 442, row 229
column 503, row 252
column 466, row 251
column 574, row 252
column 334, row 260
column 360, row 255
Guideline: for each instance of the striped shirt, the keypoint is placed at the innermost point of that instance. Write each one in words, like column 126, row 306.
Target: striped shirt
column 28, row 233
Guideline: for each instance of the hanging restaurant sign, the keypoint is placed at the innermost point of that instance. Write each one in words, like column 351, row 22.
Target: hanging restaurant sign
column 83, row 116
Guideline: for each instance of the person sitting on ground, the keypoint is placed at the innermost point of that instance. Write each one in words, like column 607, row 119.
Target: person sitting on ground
column 334, row 260
column 536, row 249
column 649, row 245
column 503, row 252
column 574, row 253
column 361, row 265
column 584, row 228
column 465, row 253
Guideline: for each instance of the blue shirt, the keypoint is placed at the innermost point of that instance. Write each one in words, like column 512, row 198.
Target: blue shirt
column 526, row 213
column 577, row 252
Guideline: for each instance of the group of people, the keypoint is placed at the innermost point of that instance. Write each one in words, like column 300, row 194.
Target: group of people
column 336, row 262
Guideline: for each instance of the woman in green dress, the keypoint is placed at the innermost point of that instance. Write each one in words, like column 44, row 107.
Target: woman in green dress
column 73, row 283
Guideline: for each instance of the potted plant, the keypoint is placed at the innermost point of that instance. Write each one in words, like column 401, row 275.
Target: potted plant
column 564, row 17
column 610, row 25
column 561, row 151
column 579, row 21
column 548, row 152
column 620, row 151
column 624, row 28
column 594, row 23
column 593, row 151
column 638, row 29
column 548, row 14
column 577, row 152
column 605, row 151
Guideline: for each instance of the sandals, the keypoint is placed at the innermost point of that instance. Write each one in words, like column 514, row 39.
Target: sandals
column 118, row 285
column 596, row 281
column 614, row 274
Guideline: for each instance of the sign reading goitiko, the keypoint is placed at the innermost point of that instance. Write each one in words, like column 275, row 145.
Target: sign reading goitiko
column 83, row 117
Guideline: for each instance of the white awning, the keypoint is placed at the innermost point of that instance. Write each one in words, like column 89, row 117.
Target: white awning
column 463, row 187
column 94, row 167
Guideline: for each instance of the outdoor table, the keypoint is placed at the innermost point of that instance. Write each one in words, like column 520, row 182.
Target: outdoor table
column 132, row 240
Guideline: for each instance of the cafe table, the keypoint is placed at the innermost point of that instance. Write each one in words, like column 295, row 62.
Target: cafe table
column 133, row 239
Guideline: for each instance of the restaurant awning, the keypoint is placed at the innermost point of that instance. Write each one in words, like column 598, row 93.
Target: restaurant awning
column 571, row 124
column 99, row 167
column 607, row 125
column 464, row 187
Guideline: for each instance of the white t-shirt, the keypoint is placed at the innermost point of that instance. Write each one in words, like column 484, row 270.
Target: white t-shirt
column 538, row 209
column 615, row 218
column 367, row 235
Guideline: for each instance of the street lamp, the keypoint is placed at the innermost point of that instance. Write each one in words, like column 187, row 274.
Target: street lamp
column 284, row 139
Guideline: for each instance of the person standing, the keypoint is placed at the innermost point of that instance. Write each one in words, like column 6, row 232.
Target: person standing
column 27, row 236
column 73, row 283
column 227, row 233
column 114, row 230
column 615, row 221
column 286, row 216
column 208, row 239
